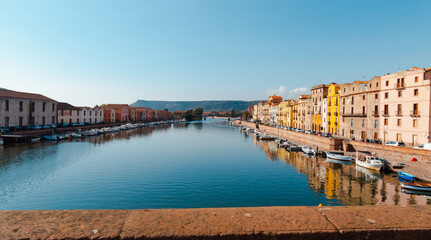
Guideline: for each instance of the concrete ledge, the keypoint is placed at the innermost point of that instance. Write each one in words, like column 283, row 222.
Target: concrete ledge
column 363, row 222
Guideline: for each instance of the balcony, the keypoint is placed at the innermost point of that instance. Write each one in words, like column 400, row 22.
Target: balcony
column 329, row 114
column 354, row 115
column 375, row 113
column 399, row 86
column 336, row 114
column 385, row 113
column 415, row 113
column 399, row 113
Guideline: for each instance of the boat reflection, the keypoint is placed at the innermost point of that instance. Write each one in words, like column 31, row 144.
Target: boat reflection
column 351, row 184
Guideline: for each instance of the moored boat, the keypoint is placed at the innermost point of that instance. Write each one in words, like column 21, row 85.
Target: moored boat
column 51, row 137
column 338, row 156
column 406, row 176
column 417, row 186
column 308, row 150
column 370, row 162
column 35, row 139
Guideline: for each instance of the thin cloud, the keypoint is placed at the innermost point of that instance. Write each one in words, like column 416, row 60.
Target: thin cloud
column 288, row 94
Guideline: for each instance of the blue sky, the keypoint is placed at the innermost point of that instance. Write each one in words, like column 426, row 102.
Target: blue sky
column 94, row 52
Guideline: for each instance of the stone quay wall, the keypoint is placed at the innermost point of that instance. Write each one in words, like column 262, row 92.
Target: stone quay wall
column 323, row 143
column 397, row 153
column 388, row 152
column 339, row 222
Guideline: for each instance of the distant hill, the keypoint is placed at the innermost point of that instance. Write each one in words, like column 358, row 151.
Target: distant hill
column 186, row 105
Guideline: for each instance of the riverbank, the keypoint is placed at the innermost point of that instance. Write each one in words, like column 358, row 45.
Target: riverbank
column 421, row 168
column 368, row 222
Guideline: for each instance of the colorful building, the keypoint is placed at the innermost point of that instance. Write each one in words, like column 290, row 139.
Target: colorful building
column 333, row 109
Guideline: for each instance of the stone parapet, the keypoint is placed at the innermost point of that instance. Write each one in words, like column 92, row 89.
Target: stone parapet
column 351, row 222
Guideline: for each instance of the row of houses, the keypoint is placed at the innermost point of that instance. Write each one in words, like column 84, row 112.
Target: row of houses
column 392, row 107
column 21, row 109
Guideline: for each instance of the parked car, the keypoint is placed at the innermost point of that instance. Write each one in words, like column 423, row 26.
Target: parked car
column 395, row 143
column 53, row 125
column 75, row 124
column 328, row 135
column 63, row 125
column 426, row 146
column 46, row 126
column 308, row 132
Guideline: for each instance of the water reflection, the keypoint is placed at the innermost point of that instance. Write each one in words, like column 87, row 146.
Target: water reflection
column 351, row 184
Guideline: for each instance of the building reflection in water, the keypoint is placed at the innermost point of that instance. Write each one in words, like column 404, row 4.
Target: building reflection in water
column 351, row 184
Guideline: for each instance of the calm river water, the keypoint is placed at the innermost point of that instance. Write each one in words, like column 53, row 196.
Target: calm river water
column 194, row 165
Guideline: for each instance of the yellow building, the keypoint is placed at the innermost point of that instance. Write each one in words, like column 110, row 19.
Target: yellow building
column 318, row 93
column 334, row 108
column 285, row 116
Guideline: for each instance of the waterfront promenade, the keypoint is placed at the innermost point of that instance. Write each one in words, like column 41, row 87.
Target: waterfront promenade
column 351, row 222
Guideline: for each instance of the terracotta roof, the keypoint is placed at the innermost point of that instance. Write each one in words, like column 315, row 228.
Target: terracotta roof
column 304, row 96
column 66, row 106
column 116, row 106
column 360, row 81
column 14, row 94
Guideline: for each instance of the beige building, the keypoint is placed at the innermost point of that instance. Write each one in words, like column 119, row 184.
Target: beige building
column 353, row 110
column 68, row 114
column 405, row 99
column 318, row 93
column 301, row 112
column 18, row 109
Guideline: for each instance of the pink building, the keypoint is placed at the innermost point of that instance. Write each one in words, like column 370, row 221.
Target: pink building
column 405, row 105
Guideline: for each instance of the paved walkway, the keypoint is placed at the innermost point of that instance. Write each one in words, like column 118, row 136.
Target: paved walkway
column 350, row 222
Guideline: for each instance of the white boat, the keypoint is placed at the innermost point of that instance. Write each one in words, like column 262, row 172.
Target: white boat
column 308, row 150
column 75, row 135
column 370, row 162
column 34, row 139
column 338, row 156
column 1, row 141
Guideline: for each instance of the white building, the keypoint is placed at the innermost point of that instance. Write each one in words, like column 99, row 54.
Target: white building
column 68, row 114
column 18, row 109
column 325, row 115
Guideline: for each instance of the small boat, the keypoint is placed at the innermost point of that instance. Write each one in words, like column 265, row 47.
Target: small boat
column 266, row 138
column 417, row 186
column 406, row 176
column 328, row 160
column 338, row 156
column 370, row 162
column 51, row 138
column 398, row 165
column 1, row 141
column 35, row 139
column 293, row 148
column 414, row 192
column 283, row 145
column 308, row 150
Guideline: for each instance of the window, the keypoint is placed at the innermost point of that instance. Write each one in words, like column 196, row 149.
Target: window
column 43, row 120
column 416, row 92
column 353, row 99
column 53, row 120
column 363, row 110
column 415, row 109
column 351, row 122
column 386, row 109
column 376, row 96
column 386, row 122
column 32, row 106
column 53, row 108
column 20, row 121
column 415, row 123
column 343, row 110
column 43, row 107
column 386, row 95
column 376, row 123
column 353, row 89
column 7, row 106
column 363, row 97
column 387, row 83
column 343, row 119
column 363, row 122
column 399, row 122
column 344, row 101
column 400, row 94
column 376, row 109
column 399, row 109
column 20, row 106
column 6, row 121
column 377, row 84
column 416, row 79
column 352, row 111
